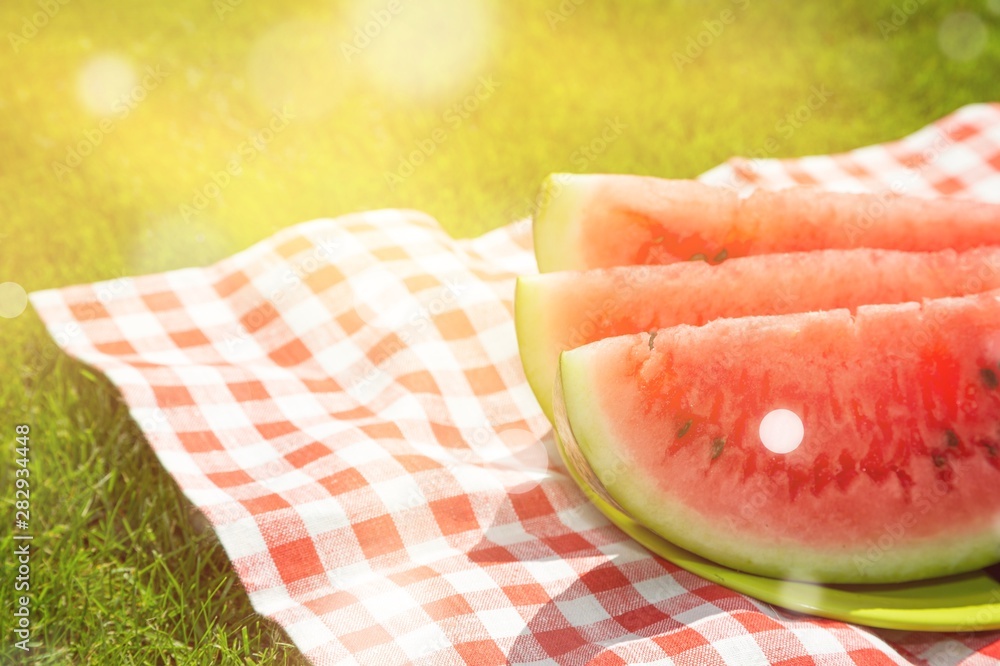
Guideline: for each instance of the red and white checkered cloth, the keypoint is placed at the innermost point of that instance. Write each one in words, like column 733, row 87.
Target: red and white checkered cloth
column 345, row 403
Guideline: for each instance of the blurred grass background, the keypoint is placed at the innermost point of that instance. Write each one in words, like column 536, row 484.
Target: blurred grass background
column 168, row 100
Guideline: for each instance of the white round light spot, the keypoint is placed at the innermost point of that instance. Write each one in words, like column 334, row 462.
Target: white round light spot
column 104, row 82
column 297, row 65
column 526, row 451
column 429, row 50
column 381, row 300
column 800, row 595
column 171, row 242
column 13, row 299
column 962, row 36
column 781, row 431
column 526, row 456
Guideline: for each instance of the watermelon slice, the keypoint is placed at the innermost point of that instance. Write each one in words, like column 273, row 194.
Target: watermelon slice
column 592, row 221
column 559, row 311
column 897, row 474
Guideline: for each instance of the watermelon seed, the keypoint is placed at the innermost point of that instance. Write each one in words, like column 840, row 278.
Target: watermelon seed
column 719, row 258
column 699, row 257
column 989, row 378
column 952, row 438
column 718, row 444
column 939, row 461
column 652, row 336
column 991, row 449
column 683, row 430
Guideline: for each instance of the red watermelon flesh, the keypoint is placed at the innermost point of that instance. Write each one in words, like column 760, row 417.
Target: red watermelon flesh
column 897, row 476
column 567, row 309
column 590, row 221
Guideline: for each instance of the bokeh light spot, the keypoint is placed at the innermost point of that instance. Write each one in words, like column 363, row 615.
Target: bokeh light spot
column 379, row 299
column 13, row 299
column 430, row 50
column 103, row 82
column 526, row 455
column 781, row 431
column 962, row 36
column 526, row 449
column 800, row 595
column 297, row 66
column 172, row 242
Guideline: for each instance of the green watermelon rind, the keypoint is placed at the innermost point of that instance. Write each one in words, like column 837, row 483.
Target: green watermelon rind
column 554, row 227
column 532, row 333
column 631, row 488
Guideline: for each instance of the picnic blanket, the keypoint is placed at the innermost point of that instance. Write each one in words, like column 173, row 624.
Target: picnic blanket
column 345, row 403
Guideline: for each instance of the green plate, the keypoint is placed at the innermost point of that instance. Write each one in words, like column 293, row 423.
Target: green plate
column 970, row 602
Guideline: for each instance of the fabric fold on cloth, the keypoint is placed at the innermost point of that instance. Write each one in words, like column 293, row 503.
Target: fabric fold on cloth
column 345, row 403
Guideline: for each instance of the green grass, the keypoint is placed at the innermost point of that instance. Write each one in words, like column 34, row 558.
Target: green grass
column 125, row 571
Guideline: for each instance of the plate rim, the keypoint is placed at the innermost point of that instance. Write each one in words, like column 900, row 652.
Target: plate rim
column 960, row 618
